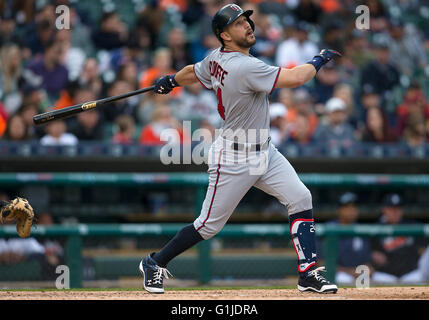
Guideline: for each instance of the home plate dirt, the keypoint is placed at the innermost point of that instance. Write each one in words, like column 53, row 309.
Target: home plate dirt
column 384, row 293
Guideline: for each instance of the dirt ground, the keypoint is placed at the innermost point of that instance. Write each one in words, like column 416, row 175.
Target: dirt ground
column 382, row 293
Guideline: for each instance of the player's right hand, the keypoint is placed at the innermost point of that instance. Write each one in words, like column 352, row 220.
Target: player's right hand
column 165, row 84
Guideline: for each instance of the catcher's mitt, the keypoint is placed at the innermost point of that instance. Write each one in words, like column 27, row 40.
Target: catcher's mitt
column 19, row 210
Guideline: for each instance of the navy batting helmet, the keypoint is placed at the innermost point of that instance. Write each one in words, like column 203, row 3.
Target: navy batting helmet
column 227, row 15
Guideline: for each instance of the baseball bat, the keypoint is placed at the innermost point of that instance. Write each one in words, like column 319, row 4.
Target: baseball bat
column 78, row 108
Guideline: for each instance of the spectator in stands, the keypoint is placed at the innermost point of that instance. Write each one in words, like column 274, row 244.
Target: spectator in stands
column 4, row 116
column 300, row 130
column 406, row 47
column 125, row 128
column 152, row 18
column 136, row 50
column 296, row 50
column 268, row 37
column 352, row 251
column 337, row 132
column 8, row 32
column 302, row 103
column 278, row 124
column 112, row 33
column 128, row 72
column 346, row 93
column 379, row 18
column 397, row 259
column 333, row 35
column 81, row 33
column 162, row 65
column 150, row 101
column 38, row 41
column 325, row 82
column 308, row 11
column 272, row 7
column 207, row 39
column 357, row 50
column 57, row 135
column 49, row 68
column 10, row 75
column 415, row 134
column 73, row 58
column 53, row 249
column 380, row 73
column 16, row 129
column 123, row 106
column 90, row 76
column 27, row 112
column 86, row 125
column 196, row 103
column 35, row 94
column 377, row 127
column 180, row 53
column 193, row 12
column 286, row 97
column 162, row 119
column 16, row 250
column 414, row 103
column 369, row 98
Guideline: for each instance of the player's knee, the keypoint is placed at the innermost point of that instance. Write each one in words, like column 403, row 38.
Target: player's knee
column 207, row 233
column 302, row 203
column 206, row 230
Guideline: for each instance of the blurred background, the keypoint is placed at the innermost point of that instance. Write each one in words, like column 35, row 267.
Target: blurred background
column 357, row 135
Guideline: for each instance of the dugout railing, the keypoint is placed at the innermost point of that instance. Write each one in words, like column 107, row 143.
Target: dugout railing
column 331, row 234
column 75, row 233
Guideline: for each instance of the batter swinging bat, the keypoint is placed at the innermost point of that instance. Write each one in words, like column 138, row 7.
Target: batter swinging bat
column 72, row 110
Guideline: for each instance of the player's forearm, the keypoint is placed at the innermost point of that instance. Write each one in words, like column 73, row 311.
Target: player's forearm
column 295, row 77
column 186, row 76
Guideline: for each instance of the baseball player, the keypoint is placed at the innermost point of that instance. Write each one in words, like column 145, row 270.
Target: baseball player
column 243, row 84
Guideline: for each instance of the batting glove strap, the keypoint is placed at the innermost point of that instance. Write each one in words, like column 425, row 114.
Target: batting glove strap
column 165, row 84
column 173, row 81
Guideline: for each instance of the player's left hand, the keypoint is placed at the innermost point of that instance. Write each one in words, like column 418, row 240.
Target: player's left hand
column 328, row 54
column 18, row 210
column 165, row 84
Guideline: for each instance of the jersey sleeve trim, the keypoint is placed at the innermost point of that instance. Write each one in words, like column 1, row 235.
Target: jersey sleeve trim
column 275, row 81
column 193, row 68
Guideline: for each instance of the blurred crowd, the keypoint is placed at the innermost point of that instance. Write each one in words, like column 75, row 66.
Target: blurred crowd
column 375, row 93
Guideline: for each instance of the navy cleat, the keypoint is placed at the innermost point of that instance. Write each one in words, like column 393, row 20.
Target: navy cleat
column 313, row 281
column 153, row 275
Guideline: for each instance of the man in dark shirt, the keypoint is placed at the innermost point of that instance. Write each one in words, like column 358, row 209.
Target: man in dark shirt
column 380, row 73
column 352, row 251
column 396, row 258
column 53, row 73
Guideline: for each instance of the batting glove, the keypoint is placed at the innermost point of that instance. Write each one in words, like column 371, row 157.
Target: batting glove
column 165, row 84
column 323, row 58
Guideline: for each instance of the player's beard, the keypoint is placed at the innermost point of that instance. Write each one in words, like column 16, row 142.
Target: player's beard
column 246, row 43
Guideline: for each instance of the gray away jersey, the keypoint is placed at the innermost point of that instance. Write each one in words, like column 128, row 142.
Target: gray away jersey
column 242, row 85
